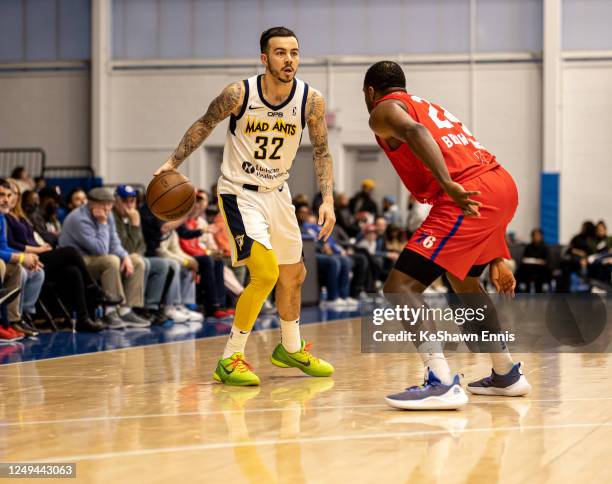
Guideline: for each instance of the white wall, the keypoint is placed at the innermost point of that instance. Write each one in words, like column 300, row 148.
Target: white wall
column 151, row 109
column 586, row 178
column 49, row 110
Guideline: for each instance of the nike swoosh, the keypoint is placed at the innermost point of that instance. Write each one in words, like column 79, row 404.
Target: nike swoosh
column 227, row 371
column 255, row 107
column 300, row 362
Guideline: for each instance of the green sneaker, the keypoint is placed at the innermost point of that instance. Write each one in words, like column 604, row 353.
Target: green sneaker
column 301, row 359
column 235, row 371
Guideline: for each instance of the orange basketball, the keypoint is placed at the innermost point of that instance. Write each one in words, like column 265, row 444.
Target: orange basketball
column 170, row 195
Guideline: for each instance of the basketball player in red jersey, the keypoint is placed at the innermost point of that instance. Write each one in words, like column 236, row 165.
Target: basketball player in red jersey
column 473, row 198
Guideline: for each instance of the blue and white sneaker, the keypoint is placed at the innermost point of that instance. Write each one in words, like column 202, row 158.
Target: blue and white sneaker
column 512, row 384
column 432, row 395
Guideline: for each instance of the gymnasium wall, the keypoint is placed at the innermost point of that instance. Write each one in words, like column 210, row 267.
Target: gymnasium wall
column 586, row 177
column 148, row 109
column 50, row 110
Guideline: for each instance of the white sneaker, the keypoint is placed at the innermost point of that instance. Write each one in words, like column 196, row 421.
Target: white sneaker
column 175, row 314
column 336, row 304
column 352, row 303
column 191, row 315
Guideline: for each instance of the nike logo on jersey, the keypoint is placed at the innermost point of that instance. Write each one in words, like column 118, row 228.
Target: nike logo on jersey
column 255, row 107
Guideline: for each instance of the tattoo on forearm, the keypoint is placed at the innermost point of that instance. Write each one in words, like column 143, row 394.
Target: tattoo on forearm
column 220, row 108
column 317, row 129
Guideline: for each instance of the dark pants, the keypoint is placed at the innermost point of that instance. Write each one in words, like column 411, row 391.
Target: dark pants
column 335, row 271
column 65, row 268
column 532, row 273
column 211, row 287
column 362, row 276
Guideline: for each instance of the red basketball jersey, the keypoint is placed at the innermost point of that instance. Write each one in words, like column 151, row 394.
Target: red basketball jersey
column 465, row 158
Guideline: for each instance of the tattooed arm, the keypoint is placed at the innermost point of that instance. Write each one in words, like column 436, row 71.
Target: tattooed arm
column 317, row 129
column 226, row 103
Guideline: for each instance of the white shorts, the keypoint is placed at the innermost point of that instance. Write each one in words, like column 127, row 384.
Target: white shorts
column 267, row 217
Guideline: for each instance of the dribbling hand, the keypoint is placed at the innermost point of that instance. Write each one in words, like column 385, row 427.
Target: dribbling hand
column 167, row 166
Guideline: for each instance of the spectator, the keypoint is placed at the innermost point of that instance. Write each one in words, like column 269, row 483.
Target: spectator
column 600, row 263
column 41, row 211
column 344, row 217
column 333, row 265
column 394, row 239
column 373, row 243
column 157, row 269
column 575, row 262
column 64, row 266
column 300, row 199
column 390, row 210
column 39, row 183
column 22, row 270
column 76, row 198
column 362, row 201
column 210, row 265
column 534, row 267
column 91, row 230
column 23, row 179
column 182, row 288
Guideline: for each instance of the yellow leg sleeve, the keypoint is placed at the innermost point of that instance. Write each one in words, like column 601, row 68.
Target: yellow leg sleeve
column 263, row 270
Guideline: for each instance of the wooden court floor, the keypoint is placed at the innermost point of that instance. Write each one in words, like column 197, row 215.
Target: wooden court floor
column 153, row 414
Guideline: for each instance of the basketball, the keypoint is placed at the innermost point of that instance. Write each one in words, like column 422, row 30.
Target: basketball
column 170, row 195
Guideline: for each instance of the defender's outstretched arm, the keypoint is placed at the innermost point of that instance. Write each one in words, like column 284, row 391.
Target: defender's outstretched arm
column 226, row 103
column 317, row 130
column 390, row 120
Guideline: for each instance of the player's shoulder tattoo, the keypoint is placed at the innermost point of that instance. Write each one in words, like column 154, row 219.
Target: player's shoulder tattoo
column 228, row 101
column 315, row 105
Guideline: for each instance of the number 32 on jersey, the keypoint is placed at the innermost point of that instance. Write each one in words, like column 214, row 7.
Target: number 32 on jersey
column 268, row 145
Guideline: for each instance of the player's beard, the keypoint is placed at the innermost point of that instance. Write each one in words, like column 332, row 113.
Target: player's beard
column 278, row 73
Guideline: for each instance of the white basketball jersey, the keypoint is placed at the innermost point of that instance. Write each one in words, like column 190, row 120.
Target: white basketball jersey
column 262, row 141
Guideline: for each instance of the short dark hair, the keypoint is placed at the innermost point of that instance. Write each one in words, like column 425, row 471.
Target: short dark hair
column 5, row 184
column 274, row 32
column 384, row 75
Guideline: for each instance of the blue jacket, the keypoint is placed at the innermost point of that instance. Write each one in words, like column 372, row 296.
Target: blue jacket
column 84, row 233
column 311, row 231
column 5, row 251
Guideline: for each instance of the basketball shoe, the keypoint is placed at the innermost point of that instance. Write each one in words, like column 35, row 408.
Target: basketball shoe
column 234, row 370
column 302, row 360
column 512, row 384
column 431, row 395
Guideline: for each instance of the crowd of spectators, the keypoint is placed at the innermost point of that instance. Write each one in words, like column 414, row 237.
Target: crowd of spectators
column 101, row 260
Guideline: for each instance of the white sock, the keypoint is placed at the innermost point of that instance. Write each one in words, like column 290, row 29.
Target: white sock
column 502, row 362
column 433, row 359
column 109, row 309
column 236, row 342
column 290, row 335
column 123, row 310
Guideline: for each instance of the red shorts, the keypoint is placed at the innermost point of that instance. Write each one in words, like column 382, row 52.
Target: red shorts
column 456, row 242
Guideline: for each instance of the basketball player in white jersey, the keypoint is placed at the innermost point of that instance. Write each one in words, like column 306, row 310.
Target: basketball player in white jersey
column 267, row 116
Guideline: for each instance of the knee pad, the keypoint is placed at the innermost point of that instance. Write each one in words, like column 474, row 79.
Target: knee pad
column 263, row 267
